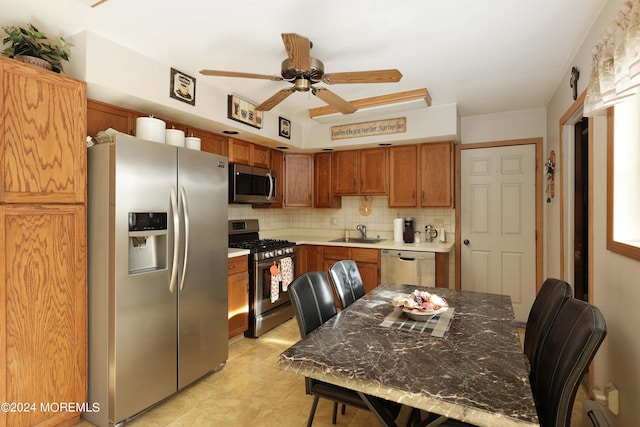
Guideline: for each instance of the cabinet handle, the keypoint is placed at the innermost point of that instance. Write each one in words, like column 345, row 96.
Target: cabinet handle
column 231, row 267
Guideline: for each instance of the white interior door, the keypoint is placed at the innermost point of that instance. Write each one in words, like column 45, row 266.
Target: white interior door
column 498, row 223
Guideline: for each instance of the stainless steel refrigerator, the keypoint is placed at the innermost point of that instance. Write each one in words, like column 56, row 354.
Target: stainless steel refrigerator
column 157, row 273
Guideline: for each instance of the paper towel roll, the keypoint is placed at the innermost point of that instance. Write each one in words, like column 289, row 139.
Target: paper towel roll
column 397, row 230
column 192, row 142
column 174, row 137
column 151, row 129
column 441, row 235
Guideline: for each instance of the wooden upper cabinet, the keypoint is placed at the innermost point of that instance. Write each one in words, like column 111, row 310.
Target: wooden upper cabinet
column 260, row 156
column 211, row 142
column 43, row 137
column 403, row 176
column 322, row 188
column 298, row 190
column 373, row 171
column 239, row 151
column 436, row 170
column 101, row 116
column 345, row 173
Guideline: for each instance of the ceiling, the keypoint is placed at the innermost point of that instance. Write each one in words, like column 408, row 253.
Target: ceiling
column 485, row 56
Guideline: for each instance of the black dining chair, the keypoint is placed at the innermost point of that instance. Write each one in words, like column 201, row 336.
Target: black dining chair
column 313, row 304
column 564, row 357
column 347, row 282
column 544, row 310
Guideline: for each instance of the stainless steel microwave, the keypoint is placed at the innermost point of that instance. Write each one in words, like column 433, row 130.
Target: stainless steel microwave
column 249, row 184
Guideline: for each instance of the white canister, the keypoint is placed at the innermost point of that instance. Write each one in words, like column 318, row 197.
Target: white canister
column 174, row 137
column 442, row 235
column 151, row 129
column 192, row 142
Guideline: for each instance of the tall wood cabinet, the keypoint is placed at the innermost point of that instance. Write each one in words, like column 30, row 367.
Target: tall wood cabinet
column 43, row 318
column 298, row 192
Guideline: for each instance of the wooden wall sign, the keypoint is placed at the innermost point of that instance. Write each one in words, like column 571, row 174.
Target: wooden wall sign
column 378, row 127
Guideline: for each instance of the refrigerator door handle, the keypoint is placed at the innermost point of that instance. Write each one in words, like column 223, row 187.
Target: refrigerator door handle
column 176, row 240
column 187, row 232
column 270, row 185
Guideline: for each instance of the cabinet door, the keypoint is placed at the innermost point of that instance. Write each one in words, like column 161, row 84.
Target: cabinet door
column 345, row 173
column 436, row 168
column 298, row 180
column 260, row 156
column 43, row 309
column 239, row 151
column 238, row 283
column 43, row 138
column 373, row 171
column 368, row 261
column 210, row 142
column 403, row 176
column 370, row 275
column 308, row 258
column 101, row 116
column 322, row 188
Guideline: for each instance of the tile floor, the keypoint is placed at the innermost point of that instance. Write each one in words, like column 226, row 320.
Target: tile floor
column 251, row 391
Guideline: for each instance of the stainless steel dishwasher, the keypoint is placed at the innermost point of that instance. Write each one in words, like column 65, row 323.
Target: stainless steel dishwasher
column 408, row 267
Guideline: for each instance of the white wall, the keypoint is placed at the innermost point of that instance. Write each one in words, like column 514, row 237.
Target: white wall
column 615, row 283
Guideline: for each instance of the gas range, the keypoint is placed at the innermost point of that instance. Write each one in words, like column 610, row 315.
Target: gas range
column 265, row 248
column 269, row 303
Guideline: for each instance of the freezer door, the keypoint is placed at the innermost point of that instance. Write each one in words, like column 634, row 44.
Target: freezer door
column 202, row 282
column 143, row 361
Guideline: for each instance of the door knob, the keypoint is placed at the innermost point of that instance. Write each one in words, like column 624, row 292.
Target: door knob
column 466, row 242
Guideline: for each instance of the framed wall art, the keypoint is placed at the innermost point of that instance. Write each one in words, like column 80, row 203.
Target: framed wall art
column 285, row 128
column 182, row 87
column 243, row 111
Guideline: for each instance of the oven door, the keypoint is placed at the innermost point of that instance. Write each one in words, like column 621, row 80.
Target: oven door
column 269, row 295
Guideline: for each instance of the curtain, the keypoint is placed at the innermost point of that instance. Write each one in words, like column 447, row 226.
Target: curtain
column 615, row 71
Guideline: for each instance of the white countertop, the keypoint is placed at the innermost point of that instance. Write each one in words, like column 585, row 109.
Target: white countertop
column 312, row 238
column 237, row 252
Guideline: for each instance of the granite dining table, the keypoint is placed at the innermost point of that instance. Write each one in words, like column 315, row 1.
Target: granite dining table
column 474, row 371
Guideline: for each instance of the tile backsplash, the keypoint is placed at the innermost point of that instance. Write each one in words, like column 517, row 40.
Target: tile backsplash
column 378, row 222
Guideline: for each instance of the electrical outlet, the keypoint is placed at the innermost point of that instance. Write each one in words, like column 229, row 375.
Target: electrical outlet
column 334, row 220
column 613, row 398
column 438, row 223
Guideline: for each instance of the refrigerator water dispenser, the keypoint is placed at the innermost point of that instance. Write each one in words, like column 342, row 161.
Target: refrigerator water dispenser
column 147, row 241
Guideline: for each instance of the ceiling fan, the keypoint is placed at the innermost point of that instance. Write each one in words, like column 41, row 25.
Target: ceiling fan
column 304, row 71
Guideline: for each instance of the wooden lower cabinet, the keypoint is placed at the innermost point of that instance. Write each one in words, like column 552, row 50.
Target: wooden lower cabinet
column 368, row 261
column 43, row 311
column 238, row 283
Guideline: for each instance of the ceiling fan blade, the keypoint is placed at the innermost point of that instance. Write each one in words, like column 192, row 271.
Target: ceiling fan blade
column 376, row 76
column 298, row 50
column 334, row 100
column 275, row 99
column 237, row 74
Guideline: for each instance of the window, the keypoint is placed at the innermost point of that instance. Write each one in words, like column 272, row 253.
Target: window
column 623, row 178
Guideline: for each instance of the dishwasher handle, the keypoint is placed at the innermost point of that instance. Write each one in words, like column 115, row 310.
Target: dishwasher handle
column 405, row 259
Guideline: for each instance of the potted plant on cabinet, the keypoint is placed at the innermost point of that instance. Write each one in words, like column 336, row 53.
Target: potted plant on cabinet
column 32, row 46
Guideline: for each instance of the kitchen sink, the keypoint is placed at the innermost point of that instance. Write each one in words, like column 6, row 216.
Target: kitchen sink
column 358, row 240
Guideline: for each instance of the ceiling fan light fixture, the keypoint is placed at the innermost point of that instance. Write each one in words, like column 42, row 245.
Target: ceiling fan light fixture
column 302, row 85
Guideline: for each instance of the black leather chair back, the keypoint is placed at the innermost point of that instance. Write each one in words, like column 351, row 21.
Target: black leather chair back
column 347, row 282
column 565, row 355
column 312, row 300
column 544, row 310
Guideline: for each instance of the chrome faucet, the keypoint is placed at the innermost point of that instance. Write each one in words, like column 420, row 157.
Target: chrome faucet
column 363, row 229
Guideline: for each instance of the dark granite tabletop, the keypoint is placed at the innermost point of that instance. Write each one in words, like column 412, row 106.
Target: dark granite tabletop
column 475, row 373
